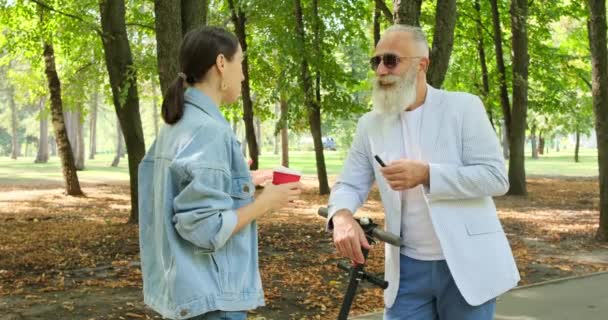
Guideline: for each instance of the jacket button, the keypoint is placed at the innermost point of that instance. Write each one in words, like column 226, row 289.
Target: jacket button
column 183, row 313
column 246, row 188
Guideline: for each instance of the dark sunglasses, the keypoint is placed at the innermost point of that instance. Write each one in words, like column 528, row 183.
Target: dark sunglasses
column 390, row 60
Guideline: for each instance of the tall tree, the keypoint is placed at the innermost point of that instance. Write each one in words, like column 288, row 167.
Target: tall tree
column 312, row 104
column 123, row 80
column 78, row 139
column 63, row 144
column 502, row 77
column 239, row 20
column 407, row 12
column 173, row 20
column 377, row 15
column 93, row 123
column 194, row 14
column 155, row 115
column 284, row 134
column 43, row 140
column 168, row 38
column 599, row 56
column 517, row 134
column 15, row 143
column 485, row 81
column 443, row 42
column 119, row 145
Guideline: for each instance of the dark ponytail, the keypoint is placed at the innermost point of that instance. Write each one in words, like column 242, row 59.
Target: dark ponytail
column 198, row 53
column 173, row 104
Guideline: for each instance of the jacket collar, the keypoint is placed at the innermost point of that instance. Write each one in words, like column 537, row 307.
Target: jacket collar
column 203, row 102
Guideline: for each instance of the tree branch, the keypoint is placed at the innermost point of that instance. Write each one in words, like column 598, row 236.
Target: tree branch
column 490, row 34
column 73, row 16
column 385, row 10
column 144, row 26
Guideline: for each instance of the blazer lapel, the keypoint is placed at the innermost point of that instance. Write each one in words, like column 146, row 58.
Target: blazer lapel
column 431, row 122
column 387, row 143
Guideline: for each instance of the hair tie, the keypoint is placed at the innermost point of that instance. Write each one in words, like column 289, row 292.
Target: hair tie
column 182, row 75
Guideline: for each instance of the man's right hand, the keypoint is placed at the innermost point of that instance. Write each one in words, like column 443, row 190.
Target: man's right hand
column 349, row 236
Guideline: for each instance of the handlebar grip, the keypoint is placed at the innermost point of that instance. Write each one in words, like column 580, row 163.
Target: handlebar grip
column 377, row 232
column 342, row 265
column 377, row 281
column 387, row 237
column 322, row 212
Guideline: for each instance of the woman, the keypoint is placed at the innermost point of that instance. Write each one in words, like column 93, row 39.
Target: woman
column 198, row 236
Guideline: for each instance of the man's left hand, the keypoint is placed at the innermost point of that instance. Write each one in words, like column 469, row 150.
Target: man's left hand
column 405, row 174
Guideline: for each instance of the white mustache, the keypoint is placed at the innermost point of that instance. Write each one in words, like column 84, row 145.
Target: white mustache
column 388, row 79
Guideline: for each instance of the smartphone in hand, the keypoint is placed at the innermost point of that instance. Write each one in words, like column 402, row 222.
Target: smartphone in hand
column 382, row 164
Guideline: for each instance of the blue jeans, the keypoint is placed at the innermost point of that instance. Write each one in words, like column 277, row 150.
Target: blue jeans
column 222, row 315
column 427, row 292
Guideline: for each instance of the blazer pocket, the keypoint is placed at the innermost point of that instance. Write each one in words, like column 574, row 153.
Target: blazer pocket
column 483, row 225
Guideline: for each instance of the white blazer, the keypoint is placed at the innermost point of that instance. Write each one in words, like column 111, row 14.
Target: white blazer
column 466, row 170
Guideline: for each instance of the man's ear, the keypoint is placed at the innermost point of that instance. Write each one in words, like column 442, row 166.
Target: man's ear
column 424, row 64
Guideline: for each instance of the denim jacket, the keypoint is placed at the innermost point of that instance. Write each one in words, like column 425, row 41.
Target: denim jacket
column 191, row 182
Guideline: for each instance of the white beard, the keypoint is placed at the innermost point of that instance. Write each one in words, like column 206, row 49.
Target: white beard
column 394, row 99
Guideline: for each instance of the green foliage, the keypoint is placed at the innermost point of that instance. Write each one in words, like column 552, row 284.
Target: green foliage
column 559, row 92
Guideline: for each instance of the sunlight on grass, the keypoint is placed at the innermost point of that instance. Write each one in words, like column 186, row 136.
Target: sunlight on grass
column 99, row 170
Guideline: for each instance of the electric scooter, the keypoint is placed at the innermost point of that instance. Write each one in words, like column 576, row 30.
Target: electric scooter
column 356, row 273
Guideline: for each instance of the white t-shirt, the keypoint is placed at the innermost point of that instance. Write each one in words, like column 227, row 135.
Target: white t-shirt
column 419, row 238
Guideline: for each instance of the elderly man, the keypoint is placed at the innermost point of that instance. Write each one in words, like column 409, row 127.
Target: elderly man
column 443, row 165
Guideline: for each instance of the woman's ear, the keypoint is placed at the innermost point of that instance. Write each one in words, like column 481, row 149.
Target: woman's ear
column 220, row 63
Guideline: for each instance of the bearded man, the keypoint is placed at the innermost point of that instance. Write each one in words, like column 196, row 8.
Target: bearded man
column 443, row 165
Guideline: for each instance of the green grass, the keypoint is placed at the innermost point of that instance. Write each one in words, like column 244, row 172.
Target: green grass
column 562, row 163
column 25, row 170
column 99, row 170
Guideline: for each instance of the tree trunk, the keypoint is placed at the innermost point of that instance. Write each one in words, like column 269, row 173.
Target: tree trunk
column 168, row 23
column 517, row 171
column 80, row 147
column 376, row 31
column 194, row 14
column 15, row 143
column 53, row 146
column 599, row 61
column 258, row 134
column 502, row 74
column 119, row 145
column 407, row 12
column 93, row 124
column 533, row 143
column 277, row 113
column 443, row 42
column 155, row 115
column 541, row 144
column 284, row 135
column 65, row 150
column 313, row 106
column 577, row 145
column 70, row 128
column 239, row 19
column 43, row 140
column 505, row 139
column 123, row 80
column 485, row 82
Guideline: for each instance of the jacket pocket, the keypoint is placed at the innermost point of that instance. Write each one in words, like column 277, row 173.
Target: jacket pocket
column 483, row 225
column 242, row 188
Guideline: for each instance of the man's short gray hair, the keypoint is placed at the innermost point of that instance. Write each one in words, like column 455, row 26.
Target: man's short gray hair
column 417, row 35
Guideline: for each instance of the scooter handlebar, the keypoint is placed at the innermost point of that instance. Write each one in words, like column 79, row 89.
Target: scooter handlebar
column 376, row 232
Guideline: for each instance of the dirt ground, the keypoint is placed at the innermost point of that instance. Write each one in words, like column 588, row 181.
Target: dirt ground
column 76, row 258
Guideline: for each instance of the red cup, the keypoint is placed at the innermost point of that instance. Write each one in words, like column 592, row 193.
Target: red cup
column 285, row 175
